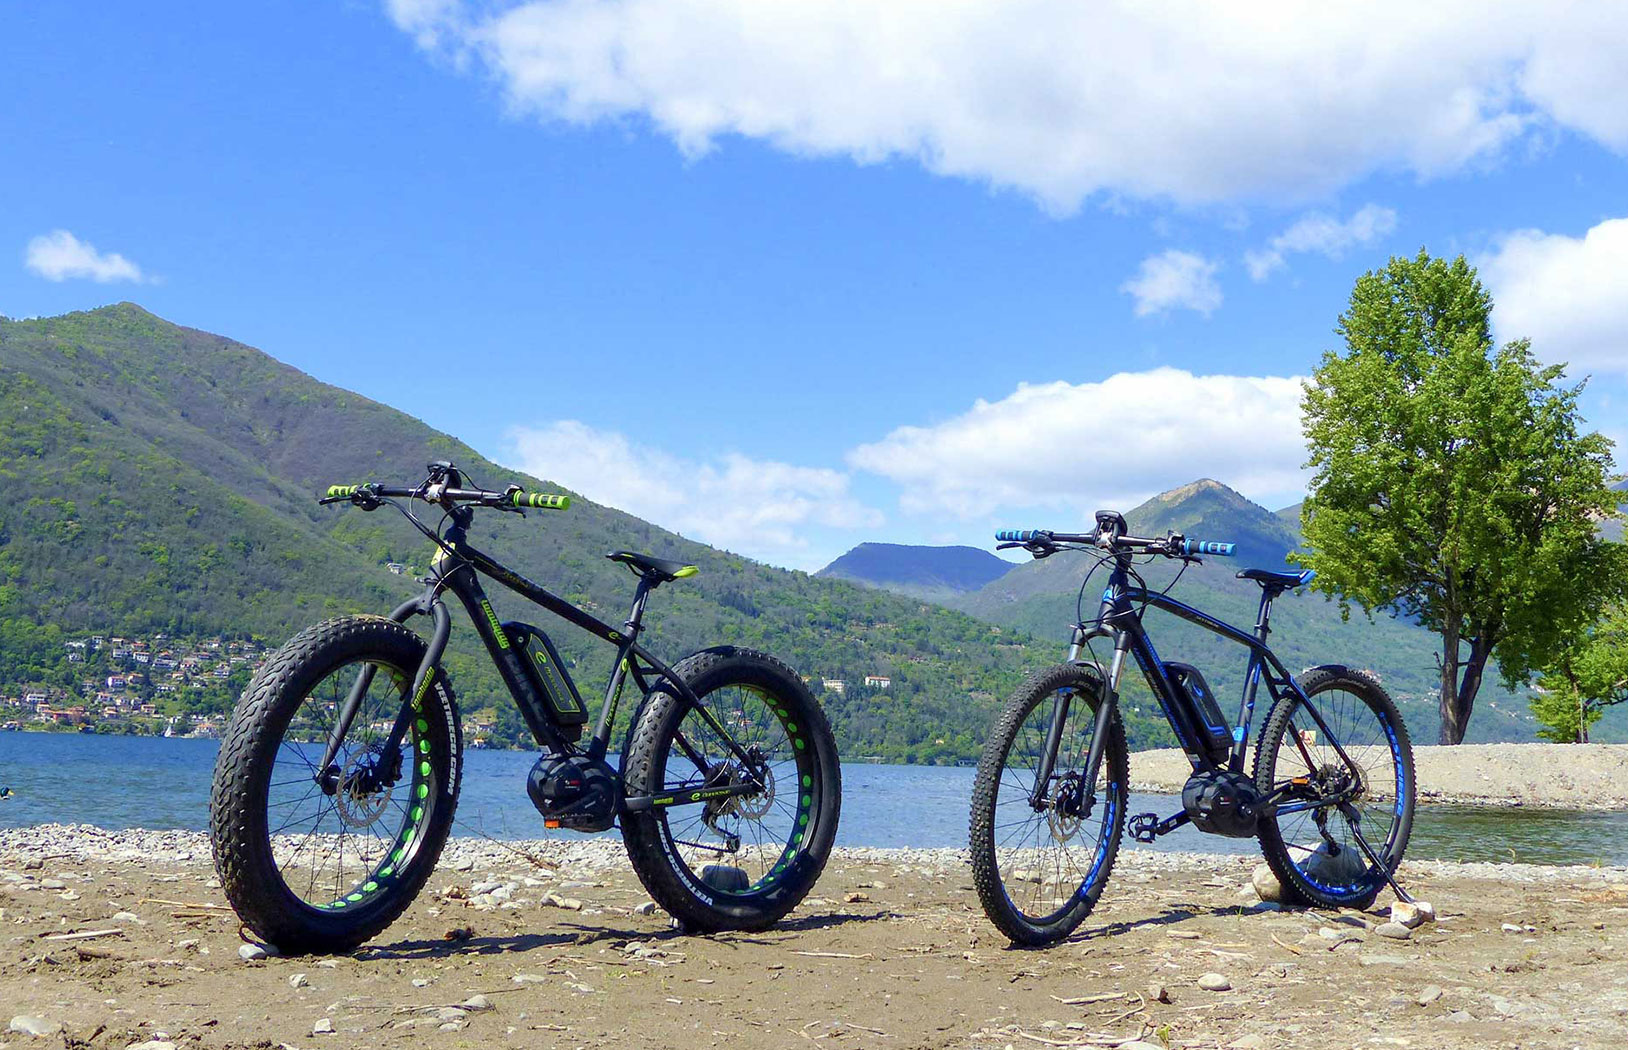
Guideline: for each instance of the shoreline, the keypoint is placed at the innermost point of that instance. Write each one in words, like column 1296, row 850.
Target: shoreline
column 1491, row 776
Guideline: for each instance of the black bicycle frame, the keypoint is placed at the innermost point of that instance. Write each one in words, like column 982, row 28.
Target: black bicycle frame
column 1120, row 617
column 457, row 567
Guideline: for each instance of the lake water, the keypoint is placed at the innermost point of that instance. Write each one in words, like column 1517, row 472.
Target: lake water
column 150, row 782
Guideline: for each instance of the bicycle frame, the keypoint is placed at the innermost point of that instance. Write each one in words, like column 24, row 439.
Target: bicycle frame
column 1119, row 618
column 457, row 568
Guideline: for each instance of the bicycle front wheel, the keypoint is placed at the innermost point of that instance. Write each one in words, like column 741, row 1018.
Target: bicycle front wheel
column 1042, row 852
column 742, row 861
column 1310, row 842
column 319, row 860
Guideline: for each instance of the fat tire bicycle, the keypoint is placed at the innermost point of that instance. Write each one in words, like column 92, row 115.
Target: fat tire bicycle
column 1330, row 795
column 338, row 776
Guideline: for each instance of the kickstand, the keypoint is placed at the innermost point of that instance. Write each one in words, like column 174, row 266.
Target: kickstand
column 1373, row 858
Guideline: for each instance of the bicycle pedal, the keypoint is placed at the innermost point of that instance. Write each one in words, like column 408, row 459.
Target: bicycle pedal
column 1145, row 827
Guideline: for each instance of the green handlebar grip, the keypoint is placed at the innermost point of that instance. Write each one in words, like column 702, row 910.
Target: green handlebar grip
column 542, row 500
column 342, row 491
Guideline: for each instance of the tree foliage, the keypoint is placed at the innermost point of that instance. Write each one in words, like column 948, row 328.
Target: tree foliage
column 1585, row 676
column 1453, row 482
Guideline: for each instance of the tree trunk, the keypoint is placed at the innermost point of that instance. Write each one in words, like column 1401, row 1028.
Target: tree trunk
column 1458, row 694
column 1452, row 729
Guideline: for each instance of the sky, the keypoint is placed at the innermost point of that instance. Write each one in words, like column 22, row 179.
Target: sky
column 785, row 277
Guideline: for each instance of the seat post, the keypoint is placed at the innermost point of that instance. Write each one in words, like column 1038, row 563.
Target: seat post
column 635, row 617
column 1264, row 615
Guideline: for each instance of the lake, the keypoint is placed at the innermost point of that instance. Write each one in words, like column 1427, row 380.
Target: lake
column 122, row 782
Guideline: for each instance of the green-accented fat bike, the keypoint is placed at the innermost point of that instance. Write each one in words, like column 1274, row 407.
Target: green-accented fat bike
column 1330, row 795
column 338, row 776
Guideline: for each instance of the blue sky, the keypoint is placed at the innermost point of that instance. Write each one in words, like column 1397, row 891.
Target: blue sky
column 788, row 277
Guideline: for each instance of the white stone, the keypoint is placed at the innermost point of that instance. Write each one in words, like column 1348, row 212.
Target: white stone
column 1214, row 982
column 27, row 1024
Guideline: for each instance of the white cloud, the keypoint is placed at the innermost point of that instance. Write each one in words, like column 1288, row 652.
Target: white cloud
column 1324, row 234
column 1569, row 295
column 1082, row 446
column 59, row 256
column 1174, row 279
column 760, row 508
column 1194, row 102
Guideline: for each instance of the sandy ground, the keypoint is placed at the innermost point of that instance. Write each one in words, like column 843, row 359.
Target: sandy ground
column 894, row 952
column 1572, row 776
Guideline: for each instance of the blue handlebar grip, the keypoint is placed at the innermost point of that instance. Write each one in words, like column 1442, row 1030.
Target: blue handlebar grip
column 1220, row 550
column 1015, row 535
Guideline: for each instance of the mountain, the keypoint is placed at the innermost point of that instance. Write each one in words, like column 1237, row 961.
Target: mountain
column 163, row 479
column 1042, row 598
column 930, row 573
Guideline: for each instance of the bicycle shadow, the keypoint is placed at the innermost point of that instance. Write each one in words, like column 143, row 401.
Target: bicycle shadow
column 1170, row 917
column 576, row 935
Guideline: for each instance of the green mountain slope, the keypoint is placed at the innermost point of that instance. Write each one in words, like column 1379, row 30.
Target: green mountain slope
column 1307, row 629
column 160, row 478
column 931, row 573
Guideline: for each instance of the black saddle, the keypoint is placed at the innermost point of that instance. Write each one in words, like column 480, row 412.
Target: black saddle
column 659, row 569
column 1278, row 581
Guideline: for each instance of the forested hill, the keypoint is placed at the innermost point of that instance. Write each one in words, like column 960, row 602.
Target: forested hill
column 934, row 573
column 160, row 478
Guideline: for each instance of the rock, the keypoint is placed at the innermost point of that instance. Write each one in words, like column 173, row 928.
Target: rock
column 476, row 1003
column 152, row 1044
column 1378, row 959
column 1459, row 1017
column 1267, row 886
column 420, row 982
column 1429, row 994
column 1252, row 1041
column 647, row 908
column 323, row 1027
column 451, row 1013
column 568, row 903
column 28, row 1024
column 858, row 898
column 187, row 944
column 33, row 864
column 126, row 916
column 1413, row 915
column 251, row 952
column 528, row 978
column 1158, row 993
column 463, row 864
column 484, row 887
column 1214, row 982
column 451, row 1026
column 1510, row 927
column 1394, row 930
column 53, row 884
column 298, row 981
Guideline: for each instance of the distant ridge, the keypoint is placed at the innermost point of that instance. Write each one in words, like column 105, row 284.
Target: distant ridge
column 932, row 573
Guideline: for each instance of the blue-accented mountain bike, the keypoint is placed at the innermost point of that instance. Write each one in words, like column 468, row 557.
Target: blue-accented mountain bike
column 1330, row 796
column 338, row 776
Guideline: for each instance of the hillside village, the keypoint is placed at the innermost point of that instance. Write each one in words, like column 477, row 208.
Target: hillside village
column 140, row 685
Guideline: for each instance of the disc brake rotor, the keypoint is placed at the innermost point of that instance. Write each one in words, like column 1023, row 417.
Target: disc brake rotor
column 357, row 806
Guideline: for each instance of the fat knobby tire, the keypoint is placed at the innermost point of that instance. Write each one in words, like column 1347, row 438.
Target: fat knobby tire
column 986, row 875
column 1297, row 889
column 696, row 906
column 238, row 821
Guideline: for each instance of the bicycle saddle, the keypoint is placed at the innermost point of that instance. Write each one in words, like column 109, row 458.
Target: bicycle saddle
column 1280, row 580
column 659, row 569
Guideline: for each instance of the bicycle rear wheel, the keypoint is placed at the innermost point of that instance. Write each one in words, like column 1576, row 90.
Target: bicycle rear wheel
column 1310, row 844
column 1040, row 860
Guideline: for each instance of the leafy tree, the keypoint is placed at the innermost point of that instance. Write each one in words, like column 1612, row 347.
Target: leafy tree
column 1585, row 677
column 1452, row 482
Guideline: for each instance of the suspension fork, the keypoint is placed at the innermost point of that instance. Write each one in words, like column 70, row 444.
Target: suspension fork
column 1099, row 733
column 441, row 630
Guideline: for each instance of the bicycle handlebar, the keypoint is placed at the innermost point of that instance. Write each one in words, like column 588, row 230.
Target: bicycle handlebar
column 1172, row 546
column 514, row 496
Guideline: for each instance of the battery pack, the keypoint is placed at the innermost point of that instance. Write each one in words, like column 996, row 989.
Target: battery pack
column 547, row 671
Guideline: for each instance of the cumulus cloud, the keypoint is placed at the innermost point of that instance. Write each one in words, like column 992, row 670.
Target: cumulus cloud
column 1567, row 294
column 760, row 508
column 1174, row 280
column 1193, row 102
column 1068, row 446
column 60, row 256
column 1323, row 234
